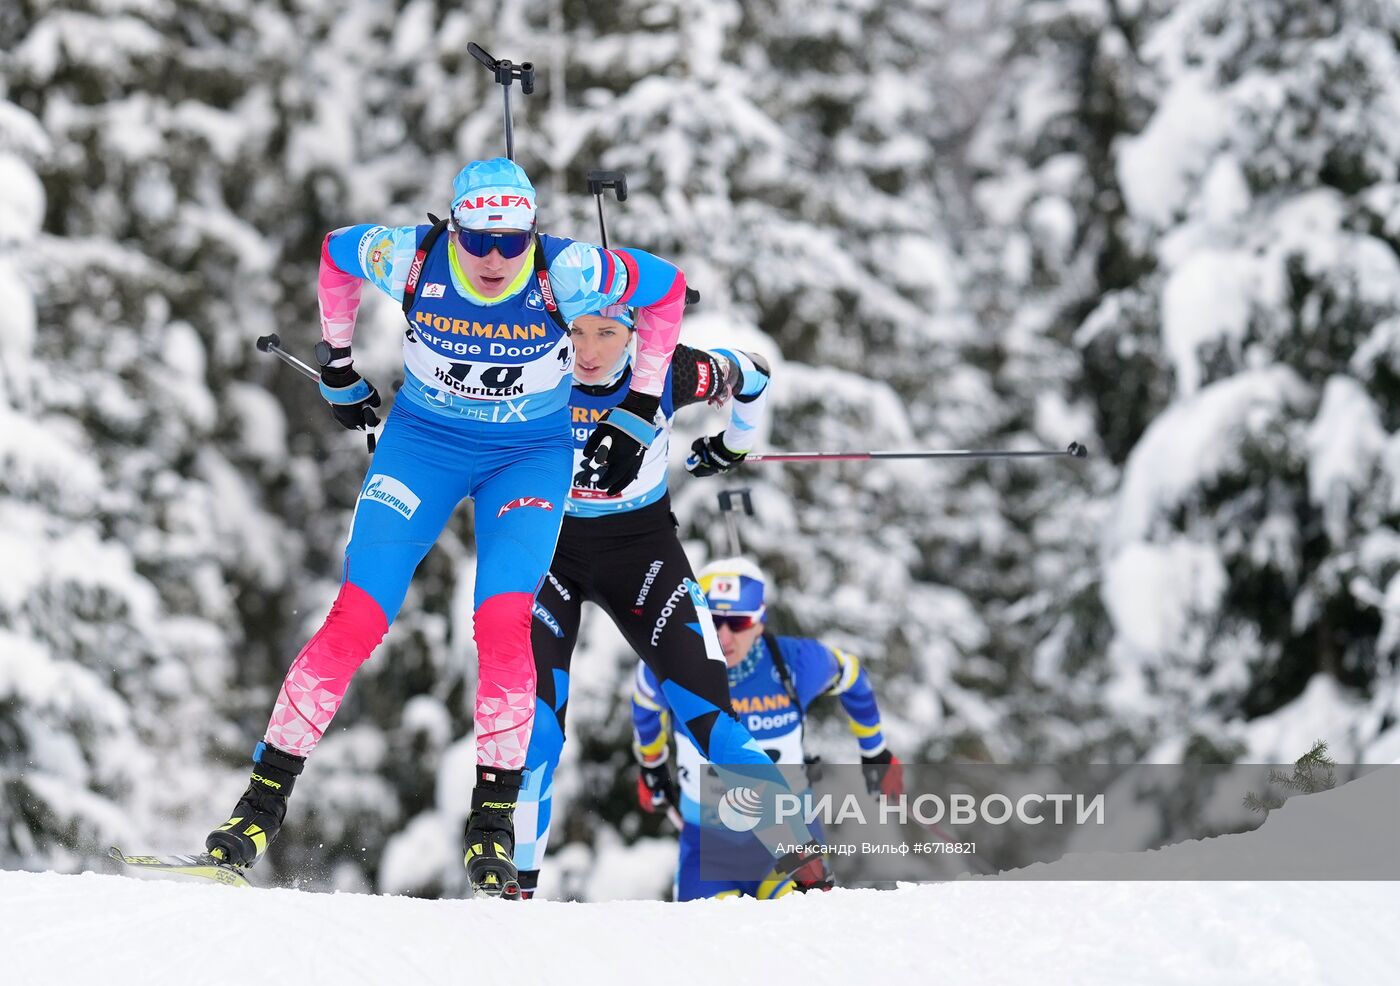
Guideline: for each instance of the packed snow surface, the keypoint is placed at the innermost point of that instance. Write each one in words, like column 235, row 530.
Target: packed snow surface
column 125, row 932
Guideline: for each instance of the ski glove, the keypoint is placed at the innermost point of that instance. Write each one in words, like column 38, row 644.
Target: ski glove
column 613, row 454
column 656, row 788
column 884, row 774
column 804, row 870
column 710, row 456
column 350, row 395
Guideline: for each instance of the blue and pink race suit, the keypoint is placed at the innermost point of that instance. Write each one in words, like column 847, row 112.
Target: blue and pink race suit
column 483, row 414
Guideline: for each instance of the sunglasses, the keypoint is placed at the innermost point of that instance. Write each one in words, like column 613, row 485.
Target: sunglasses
column 737, row 623
column 480, row 242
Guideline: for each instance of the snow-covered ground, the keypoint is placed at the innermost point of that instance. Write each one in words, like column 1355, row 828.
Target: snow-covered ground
column 116, row 931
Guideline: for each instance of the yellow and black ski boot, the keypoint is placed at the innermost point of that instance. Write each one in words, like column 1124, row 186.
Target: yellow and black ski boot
column 490, row 837
column 257, row 818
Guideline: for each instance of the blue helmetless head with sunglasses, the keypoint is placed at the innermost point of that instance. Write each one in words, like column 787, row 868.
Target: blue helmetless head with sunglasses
column 493, row 208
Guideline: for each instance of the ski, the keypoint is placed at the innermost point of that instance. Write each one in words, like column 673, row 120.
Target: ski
column 202, row 866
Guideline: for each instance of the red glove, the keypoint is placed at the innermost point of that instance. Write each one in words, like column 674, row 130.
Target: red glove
column 884, row 774
column 813, row 876
column 805, row 867
column 656, row 788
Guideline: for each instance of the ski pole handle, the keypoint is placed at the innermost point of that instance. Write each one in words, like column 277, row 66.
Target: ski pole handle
column 505, row 71
column 371, row 422
column 272, row 343
column 598, row 180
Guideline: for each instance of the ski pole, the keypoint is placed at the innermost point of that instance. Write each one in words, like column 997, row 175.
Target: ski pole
column 973, row 863
column 732, row 503
column 272, row 343
column 505, row 72
column 1074, row 451
column 598, row 180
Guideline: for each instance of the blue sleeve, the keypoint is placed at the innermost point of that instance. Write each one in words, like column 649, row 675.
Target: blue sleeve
column 753, row 372
column 381, row 255
column 821, row 670
column 651, row 277
column 586, row 278
column 649, row 715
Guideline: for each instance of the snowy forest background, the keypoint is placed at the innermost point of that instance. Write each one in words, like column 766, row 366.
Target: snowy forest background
column 1169, row 230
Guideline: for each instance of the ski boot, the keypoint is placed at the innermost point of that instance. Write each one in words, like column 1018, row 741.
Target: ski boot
column 257, row 818
column 529, row 882
column 489, row 842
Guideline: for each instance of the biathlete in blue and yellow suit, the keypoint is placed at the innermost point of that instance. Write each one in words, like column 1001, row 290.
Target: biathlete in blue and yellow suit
column 619, row 550
column 483, row 414
column 771, row 694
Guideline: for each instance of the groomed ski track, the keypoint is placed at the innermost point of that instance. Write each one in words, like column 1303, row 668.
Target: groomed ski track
column 121, row 931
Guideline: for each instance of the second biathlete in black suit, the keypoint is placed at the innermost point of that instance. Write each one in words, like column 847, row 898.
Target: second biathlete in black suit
column 623, row 554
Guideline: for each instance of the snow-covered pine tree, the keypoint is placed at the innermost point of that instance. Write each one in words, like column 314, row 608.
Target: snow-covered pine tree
column 1261, row 183
column 143, row 479
column 1225, row 282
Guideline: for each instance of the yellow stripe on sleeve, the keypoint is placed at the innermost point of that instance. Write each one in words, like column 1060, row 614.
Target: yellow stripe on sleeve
column 850, row 670
column 863, row 732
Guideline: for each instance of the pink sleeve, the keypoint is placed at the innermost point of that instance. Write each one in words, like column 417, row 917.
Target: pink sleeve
column 658, row 328
column 339, row 297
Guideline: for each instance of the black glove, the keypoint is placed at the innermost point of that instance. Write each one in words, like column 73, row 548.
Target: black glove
column 350, row 395
column 613, row 453
column 884, row 774
column 656, row 788
column 710, row 456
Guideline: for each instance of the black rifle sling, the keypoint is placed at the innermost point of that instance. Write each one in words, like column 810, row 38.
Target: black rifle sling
column 415, row 272
column 546, row 292
column 784, row 675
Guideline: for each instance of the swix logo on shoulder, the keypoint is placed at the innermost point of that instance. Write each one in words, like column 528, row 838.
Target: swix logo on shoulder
column 702, row 378
column 503, row 201
column 524, row 501
column 547, row 291
column 392, row 493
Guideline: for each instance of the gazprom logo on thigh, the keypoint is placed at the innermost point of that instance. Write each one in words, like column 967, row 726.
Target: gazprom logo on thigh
column 740, row 809
column 390, row 492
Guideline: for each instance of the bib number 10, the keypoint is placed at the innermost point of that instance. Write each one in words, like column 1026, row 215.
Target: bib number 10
column 492, row 377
